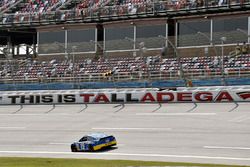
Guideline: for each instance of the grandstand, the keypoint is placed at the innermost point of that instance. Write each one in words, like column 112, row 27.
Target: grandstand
column 123, row 43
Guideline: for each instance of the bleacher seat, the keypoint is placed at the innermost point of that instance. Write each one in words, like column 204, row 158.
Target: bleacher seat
column 192, row 67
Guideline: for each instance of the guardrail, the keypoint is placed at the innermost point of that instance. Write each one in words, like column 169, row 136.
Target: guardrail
column 127, row 76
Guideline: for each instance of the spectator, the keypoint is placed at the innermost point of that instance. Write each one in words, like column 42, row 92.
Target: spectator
column 244, row 48
column 237, row 49
column 236, row 52
column 164, row 51
column 220, row 3
column 82, row 14
column 200, row 3
column 189, row 83
column 192, row 3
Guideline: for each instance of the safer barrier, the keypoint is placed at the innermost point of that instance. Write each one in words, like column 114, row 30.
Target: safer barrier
column 123, row 96
column 124, row 84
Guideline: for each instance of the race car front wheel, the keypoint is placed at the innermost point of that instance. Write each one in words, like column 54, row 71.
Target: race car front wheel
column 73, row 148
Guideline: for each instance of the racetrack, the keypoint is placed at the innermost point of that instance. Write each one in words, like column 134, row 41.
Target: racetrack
column 186, row 132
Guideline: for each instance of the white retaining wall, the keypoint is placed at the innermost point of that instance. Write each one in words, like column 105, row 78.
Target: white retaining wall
column 123, row 96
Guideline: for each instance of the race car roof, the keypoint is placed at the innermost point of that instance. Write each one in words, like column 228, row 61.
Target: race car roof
column 98, row 135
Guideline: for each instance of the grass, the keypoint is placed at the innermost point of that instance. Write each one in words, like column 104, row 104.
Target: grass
column 59, row 162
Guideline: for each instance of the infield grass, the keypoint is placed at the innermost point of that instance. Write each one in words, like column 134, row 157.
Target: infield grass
column 57, row 162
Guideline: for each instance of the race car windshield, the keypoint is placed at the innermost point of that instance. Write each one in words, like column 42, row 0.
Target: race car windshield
column 83, row 139
column 90, row 138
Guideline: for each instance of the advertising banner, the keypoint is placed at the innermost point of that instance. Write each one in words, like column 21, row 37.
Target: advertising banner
column 81, row 97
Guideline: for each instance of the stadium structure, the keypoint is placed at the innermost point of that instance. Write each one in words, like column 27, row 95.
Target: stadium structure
column 65, row 44
column 168, row 78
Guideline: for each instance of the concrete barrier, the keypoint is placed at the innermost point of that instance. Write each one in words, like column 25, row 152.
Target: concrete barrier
column 153, row 95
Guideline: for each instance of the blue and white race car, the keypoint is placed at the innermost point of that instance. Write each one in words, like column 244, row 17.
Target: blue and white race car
column 93, row 142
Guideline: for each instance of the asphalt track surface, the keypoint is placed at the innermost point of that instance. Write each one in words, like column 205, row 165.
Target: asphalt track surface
column 201, row 133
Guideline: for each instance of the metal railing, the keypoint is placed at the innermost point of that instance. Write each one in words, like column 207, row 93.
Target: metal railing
column 129, row 76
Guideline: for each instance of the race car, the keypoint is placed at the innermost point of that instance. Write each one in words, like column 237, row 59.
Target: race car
column 93, row 142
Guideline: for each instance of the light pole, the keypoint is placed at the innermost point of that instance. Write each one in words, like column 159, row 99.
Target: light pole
column 10, row 61
column 97, row 44
column 245, row 33
column 73, row 60
column 223, row 40
column 134, row 44
column 65, row 48
column 216, row 53
column 141, row 49
column 177, row 57
column 30, row 51
column 103, row 54
column 68, row 55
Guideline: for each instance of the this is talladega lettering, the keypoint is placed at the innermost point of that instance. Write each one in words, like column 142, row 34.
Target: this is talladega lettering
column 159, row 97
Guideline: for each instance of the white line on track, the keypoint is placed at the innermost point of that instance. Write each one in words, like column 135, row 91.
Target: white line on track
column 131, row 128
column 233, row 148
column 59, row 143
column 140, row 114
column 128, row 154
column 240, row 118
column 41, row 114
column 11, row 127
column 175, row 114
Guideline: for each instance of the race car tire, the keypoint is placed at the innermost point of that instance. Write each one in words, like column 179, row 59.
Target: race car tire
column 73, row 148
column 91, row 148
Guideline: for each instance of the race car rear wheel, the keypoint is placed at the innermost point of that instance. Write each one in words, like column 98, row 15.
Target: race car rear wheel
column 91, row 148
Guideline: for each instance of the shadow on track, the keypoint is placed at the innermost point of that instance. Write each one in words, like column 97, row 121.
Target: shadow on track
column 107, row 149
column 120, row 105
column 86, row 106
column 194, row 107
column 54, row 106
column 157, row 108
column 236, row 106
